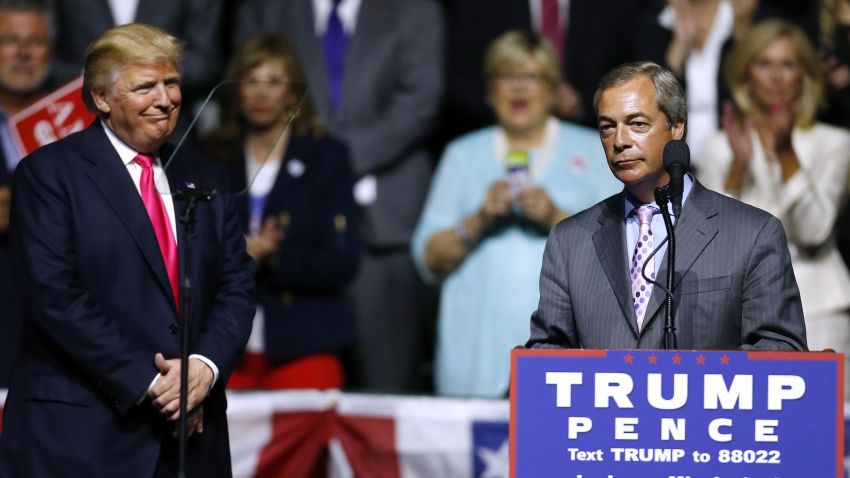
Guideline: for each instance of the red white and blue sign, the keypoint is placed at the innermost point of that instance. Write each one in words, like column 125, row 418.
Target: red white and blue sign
column 671, row 414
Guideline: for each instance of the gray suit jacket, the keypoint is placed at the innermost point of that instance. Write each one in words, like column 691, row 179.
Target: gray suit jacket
column 391, row 95
column 196, row 22
column 733, row 285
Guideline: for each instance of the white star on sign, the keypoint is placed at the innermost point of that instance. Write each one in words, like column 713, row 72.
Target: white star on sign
column 496, row 462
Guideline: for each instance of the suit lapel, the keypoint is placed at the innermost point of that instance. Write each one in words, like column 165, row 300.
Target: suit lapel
column 610, row 243
column 180, row 177
column 110, row 176
column 693, row 234
column 98, row 15
column 303, row 32
column 373, row 23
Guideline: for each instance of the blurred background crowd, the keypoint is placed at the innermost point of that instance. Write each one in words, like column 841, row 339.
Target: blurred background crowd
column 399, row 220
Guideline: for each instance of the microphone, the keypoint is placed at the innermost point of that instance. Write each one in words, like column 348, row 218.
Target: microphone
column 186, row 194
column 677, row 160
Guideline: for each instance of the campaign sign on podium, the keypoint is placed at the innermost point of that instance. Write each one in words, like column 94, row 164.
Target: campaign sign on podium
column 670, row 414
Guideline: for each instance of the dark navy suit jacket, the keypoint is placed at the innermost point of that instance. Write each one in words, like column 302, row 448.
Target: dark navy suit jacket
column 98, row 306
column 301, row 287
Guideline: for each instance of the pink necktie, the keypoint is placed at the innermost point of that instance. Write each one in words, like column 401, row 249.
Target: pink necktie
column 159, row 220
column 641, row 289
column 551, row 23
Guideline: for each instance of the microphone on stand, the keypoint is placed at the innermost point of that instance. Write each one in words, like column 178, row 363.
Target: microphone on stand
column 677, row 160
column 191, row 196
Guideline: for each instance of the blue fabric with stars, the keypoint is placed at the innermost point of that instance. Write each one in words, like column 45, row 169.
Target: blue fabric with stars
column 489, row 449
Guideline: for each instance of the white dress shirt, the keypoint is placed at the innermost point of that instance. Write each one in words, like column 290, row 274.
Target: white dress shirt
column 347, row 11
column 537, row 21
column 123, row 11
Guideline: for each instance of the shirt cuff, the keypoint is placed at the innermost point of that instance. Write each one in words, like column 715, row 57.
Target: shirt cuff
column 148, row 391
column 210, row 364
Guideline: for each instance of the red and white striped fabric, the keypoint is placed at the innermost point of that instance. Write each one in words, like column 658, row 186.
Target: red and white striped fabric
column 286, row 434
column 337, row 435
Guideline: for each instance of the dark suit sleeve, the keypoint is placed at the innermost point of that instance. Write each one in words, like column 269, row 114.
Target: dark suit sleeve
column 229, row 321
column 772, row 315
column 329, row 260
column 552, row 324
column 46, row 260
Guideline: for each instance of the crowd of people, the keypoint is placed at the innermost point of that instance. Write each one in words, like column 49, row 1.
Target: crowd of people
column 374, row 275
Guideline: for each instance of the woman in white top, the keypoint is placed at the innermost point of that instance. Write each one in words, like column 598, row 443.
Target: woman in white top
column 776, row 157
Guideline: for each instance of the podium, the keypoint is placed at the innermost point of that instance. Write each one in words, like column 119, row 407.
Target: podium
column 676, row 414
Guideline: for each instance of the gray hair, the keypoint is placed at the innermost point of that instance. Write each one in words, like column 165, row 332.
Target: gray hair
column 669, row 93
column 37, row 6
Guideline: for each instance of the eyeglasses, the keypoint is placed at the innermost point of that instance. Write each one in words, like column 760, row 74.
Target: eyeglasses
column 32, row 41
column 526, row 78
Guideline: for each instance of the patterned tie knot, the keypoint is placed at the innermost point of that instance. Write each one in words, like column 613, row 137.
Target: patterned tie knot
column 645, row 213
column 144, row 160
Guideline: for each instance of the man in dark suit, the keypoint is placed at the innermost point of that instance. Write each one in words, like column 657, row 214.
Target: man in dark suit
column 95, row 243
column 733, row 284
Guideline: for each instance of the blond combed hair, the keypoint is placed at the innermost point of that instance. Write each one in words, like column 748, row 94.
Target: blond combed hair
column 133, row 43
column 752, row 44
column 512, row 49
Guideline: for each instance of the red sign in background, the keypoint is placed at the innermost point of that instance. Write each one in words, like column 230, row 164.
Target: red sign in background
column 53, row 117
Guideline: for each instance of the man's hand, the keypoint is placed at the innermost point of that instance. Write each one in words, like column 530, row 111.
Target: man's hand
column 194, row 423
column 166, row 391
column 5, row 200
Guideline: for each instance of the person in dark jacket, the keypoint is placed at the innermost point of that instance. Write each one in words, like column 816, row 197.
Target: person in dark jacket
column 299, row 215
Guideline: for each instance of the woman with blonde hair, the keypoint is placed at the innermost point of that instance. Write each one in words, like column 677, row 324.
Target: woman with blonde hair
column 496, row 193
column 777, row 157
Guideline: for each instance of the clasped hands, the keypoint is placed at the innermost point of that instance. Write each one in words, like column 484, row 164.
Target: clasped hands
column 165, row 393
column 535, row 204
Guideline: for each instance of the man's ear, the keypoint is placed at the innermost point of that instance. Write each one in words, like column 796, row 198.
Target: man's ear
column 100, row 101
column 679, row 129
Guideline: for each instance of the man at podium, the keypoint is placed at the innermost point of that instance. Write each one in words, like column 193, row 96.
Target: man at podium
column 733, row 282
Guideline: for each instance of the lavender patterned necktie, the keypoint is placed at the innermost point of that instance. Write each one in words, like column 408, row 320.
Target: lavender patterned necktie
column 641, row 289
column 335, row 44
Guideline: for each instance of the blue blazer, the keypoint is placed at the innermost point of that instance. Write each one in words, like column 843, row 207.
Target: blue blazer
column 98, row 306
column 301, row 288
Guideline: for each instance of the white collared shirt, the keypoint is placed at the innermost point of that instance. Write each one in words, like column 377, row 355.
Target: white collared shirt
column 347, row 11
column 123, row 11
column 128, row 155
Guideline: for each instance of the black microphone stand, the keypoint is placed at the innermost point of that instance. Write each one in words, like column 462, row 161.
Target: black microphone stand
column 670, row 342
column 192, row 198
